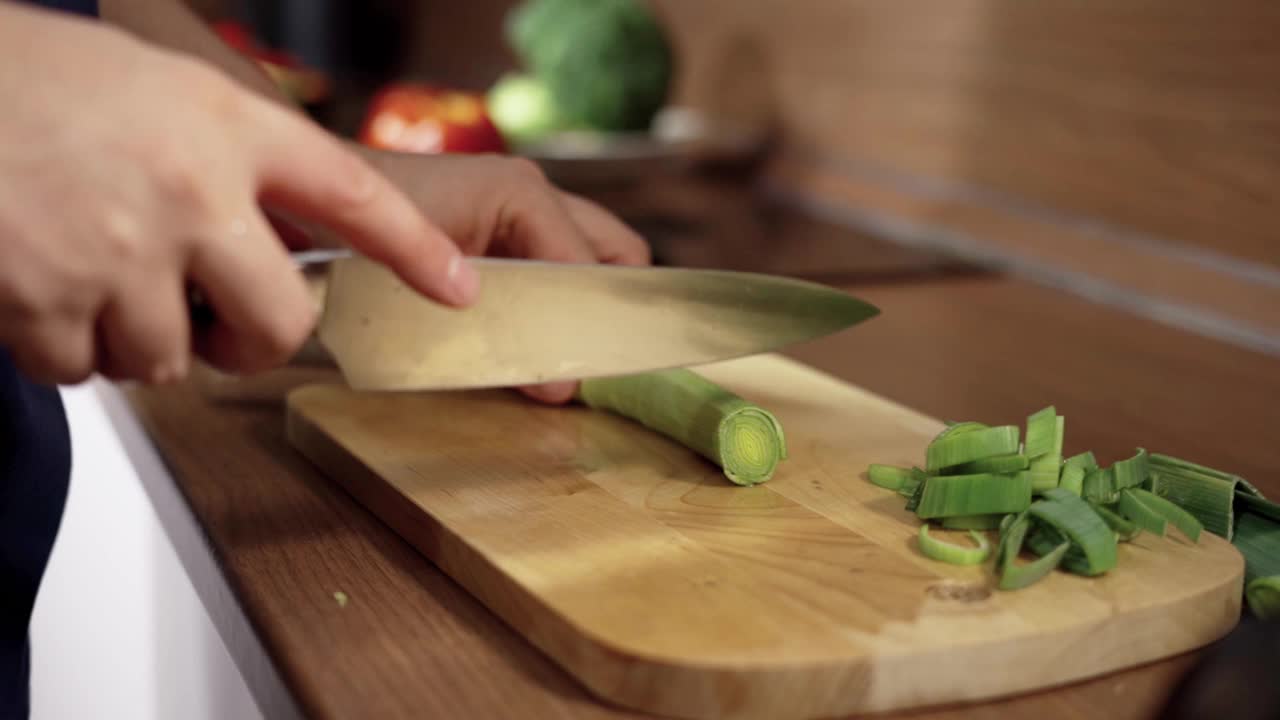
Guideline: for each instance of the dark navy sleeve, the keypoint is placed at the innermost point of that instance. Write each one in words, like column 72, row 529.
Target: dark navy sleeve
column 35, row 471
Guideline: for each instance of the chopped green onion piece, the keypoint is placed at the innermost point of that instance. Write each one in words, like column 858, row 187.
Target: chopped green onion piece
column 940, row 550
column 745, row 440
column 1132, row 472
column 1084, row 460
column 888, row 477
column 966, row 447
column 1125, row 529
column 913, row 500
column 1180, row 518
column 1047, row 467
column 1013, row 576
column 1258, row 539
column 974, row 522
column 1041, row 427
column 950, row 495
column 1041, row 480
column 993, row 464
column 1043, row 540
column 957, row 429
column 1142, row 515
column 1072, row 479
column 914, row 480
column 1263, row 595
column 1073, row 517
column 1016, row 577
column 1206, row 493
column 1257, row 504
column 1099, row 486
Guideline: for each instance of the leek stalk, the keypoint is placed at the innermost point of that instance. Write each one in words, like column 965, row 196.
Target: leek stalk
column 745, row 440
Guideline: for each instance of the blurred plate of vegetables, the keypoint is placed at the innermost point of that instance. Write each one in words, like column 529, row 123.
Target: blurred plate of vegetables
column 589, row 100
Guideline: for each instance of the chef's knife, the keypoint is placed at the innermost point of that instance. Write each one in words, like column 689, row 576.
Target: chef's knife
column 537, row 322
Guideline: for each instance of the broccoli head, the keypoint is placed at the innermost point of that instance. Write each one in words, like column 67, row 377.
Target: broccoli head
column 607, row 64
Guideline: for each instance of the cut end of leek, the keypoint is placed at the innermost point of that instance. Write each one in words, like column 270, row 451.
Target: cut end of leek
column 1263, row 596
column 744, row 439
column 946, row 552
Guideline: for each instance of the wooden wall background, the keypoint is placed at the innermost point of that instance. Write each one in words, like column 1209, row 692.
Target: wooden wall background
column 1131, row 142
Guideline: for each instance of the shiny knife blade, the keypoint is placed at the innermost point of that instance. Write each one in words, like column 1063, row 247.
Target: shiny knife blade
column 537, row 322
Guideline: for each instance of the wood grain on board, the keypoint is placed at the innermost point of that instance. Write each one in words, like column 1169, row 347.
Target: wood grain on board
column 412, row 643
column 663, row 587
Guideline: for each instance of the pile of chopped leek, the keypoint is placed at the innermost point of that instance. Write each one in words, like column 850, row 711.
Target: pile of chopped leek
column 1070, row 513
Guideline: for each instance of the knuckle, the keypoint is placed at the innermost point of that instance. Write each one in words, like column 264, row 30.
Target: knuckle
column 283, row 333
column 121, row 234
column 177, row 180
column 525, row 170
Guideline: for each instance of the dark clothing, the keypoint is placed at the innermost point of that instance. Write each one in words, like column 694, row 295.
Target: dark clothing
column 35, row 471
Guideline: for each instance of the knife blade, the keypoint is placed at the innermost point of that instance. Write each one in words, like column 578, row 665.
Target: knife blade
column 537, row 322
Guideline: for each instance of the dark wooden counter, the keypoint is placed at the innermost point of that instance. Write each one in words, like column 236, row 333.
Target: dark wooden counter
column 951, row 342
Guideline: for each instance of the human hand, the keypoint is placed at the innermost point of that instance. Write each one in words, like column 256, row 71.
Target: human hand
column 504, row 206
column 127, row 173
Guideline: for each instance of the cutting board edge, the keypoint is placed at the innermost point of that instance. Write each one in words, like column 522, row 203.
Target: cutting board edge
column 598, row 664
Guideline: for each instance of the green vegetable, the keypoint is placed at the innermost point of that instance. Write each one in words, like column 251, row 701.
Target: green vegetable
column 1180, row 518
column 522, row 108
column 994, row 464
column 1142, row 515
column 963, row 447
column 1013, row 576
column 1072, row 479
column 608, row 64
column 1044, row 540
column 1073, row 517
column 1040, row 480
column 973, row 522
column 949, row 553
column 1124, row 529
column 1099, row 486
column 913, row 500
column 745, row 440
column 1258, row 539
column 951, row 495
column 1263, row 596
column 1132, row 472
column 1041, row 430
column 1206, row 493
column 888, row 476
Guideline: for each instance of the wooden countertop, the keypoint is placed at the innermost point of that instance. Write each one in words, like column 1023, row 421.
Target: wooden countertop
column 951, row 342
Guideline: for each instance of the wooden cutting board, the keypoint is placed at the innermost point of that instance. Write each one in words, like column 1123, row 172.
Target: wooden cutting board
column 662, row 587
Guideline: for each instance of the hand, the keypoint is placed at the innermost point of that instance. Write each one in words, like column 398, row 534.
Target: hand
column 504, row 206
column 127, row 172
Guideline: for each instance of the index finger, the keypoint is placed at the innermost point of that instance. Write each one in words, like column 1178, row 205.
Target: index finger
column 306, row 172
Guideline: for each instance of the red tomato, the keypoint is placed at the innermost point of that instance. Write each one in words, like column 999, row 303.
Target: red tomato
column 425, row 119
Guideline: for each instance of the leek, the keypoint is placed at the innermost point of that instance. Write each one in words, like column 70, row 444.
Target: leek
column 888, row 476
column 951, row 495
column 1099, row 486
column 1142, row 515
column 1132, row 472
column 943, row 551
column 1073, row 518
column 1041, row 426
column 993, row 464
column 1073, row 472
column 1125, row 529
column 1013, row 576
column 973, row 522
column 1180, row 518
column 1206, row 493
column 745, row 440
column 958, row 448
column 1263, row 596
column 1258, row 539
